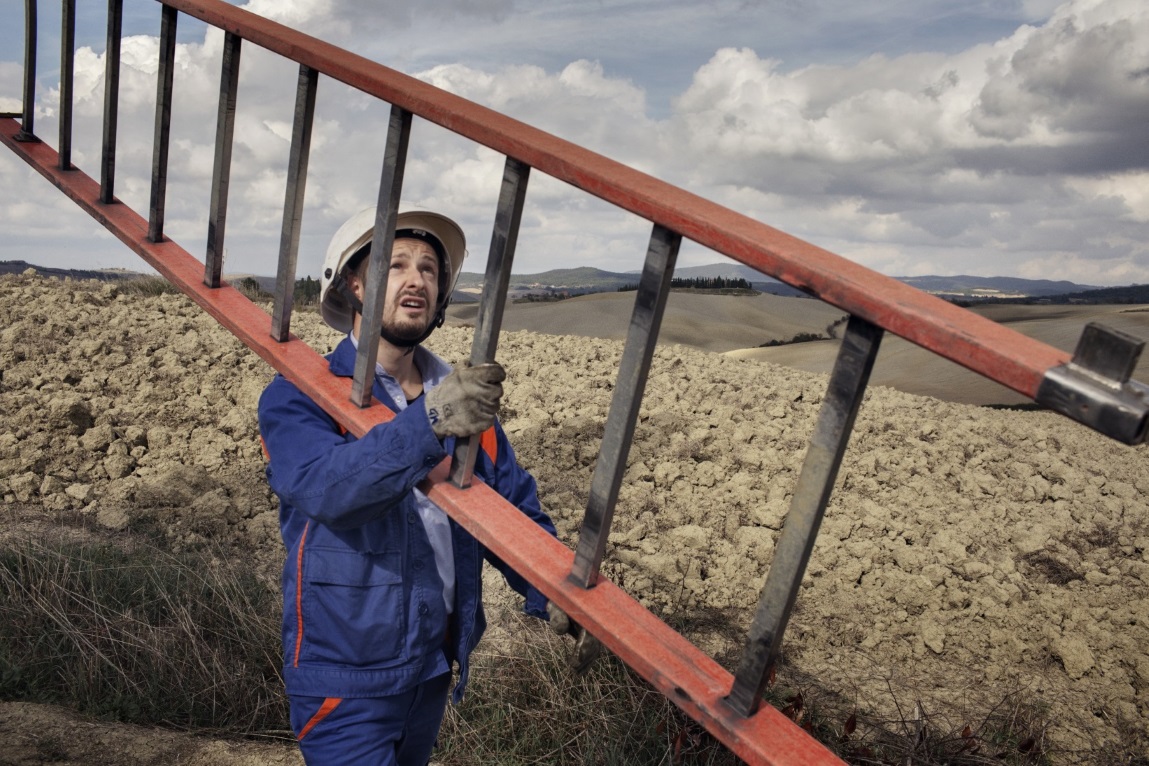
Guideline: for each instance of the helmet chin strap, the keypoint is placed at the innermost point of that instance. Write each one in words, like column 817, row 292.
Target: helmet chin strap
column 407, row 343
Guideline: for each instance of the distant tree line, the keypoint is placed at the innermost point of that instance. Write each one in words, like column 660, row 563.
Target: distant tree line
column 806, row 337
column 1103, row 295
column 701, row 283
column 306, row 292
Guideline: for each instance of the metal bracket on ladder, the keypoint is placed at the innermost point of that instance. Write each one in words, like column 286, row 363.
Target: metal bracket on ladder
column 1094, row 387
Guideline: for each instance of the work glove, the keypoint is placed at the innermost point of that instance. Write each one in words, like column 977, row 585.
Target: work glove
column 587, row 647
column 466, row 401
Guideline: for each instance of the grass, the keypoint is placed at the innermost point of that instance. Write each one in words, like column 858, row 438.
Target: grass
column 525, row 706
column 139, row 635
column 123, row 630
column 147, row 286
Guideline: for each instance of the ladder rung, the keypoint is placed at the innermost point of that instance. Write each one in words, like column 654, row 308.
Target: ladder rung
column 67, row 75
column 504, row 237
column 164, row 80
column 847, row 385
column 641, row 337
column 111, row 101
column 221, row 167
column 293, row 202
column 387, row 211
column 27, row 126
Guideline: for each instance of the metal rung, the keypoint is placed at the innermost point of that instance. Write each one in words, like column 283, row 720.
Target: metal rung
column 504, row 237
column 27, row 124
column 164, row 78
column 67, row 75
column 649, row 304
column 111, row 101
column 293, row 202
column 819, row 470
column 221, row 168
column 387, row 211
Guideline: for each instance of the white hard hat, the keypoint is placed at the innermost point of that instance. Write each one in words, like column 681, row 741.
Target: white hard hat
column 443, row 234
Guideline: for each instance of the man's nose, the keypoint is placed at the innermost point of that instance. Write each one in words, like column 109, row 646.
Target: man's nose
column 408, row 277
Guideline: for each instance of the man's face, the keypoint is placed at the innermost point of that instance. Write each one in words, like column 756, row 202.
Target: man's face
column 412, row 288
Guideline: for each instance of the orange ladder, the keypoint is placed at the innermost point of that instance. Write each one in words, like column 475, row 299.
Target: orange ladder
column 1093, row 386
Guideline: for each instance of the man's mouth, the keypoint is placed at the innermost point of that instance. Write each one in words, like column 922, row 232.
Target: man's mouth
column 412, row 302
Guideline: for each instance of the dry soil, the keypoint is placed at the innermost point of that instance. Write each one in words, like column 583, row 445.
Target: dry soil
column 967, row 554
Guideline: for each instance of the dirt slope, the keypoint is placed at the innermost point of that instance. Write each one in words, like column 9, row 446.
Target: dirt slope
column 966, row 554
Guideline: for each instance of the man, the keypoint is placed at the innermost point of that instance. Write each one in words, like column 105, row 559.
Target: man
column 382, row 591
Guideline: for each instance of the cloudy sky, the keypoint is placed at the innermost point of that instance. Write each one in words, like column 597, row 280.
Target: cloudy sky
column 990, row 137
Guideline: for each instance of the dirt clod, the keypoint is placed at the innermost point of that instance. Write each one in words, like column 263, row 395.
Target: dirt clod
column 966, row 554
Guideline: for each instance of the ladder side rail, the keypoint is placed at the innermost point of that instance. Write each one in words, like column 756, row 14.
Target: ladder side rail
column 504, row 239
column 980, row 344
column 686, row 675
column 293, row 202
column 67, row 76
column 111, row 101
column 164, row 84
column 641, row 338
column 382, row 240
column 221, row 164
column 827, row 445
column 28, row 123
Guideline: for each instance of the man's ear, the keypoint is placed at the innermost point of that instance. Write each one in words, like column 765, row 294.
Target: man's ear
column 354, row 284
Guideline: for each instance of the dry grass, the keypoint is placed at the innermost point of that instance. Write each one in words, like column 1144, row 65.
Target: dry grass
column 525, row 706
column 139, row 635
column 126, row 631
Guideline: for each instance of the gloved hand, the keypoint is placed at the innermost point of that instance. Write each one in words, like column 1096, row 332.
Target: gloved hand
column 466, row 401
column 587, row 647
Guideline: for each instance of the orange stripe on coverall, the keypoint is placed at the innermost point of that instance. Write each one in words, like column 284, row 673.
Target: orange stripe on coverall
column 329, row 704
column 299, row 595
column 490, row 444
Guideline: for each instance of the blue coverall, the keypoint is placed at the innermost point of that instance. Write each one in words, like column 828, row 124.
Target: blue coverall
column 364, row 617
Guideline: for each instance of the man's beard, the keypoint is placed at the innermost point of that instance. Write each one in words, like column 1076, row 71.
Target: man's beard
column 405, row 329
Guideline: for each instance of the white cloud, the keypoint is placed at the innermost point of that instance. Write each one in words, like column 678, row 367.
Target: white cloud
column 988, row 156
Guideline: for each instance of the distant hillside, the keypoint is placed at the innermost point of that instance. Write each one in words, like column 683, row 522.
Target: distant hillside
column 107, row 275
column 1105, row 295
column 968, row 286
column 582, row 278
column 586, row 279
column 591, row 280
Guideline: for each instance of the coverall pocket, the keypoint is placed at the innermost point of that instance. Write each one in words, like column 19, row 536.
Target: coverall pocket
column 353, row 607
